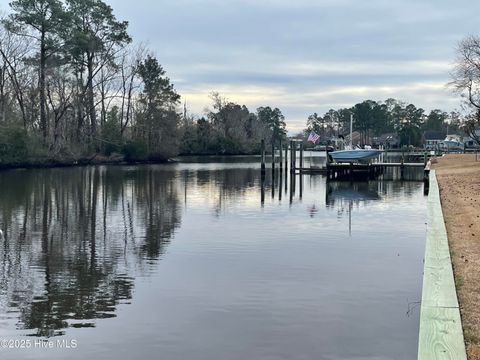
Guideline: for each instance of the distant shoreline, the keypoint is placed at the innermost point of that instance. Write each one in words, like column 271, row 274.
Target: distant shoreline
column 103, row 160
column 99, row 159
column 53, row 163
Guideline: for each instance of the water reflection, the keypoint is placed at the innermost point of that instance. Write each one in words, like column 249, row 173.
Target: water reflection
column 199, row 259
column 344, row 195
column 72, row 237
column 339, row 192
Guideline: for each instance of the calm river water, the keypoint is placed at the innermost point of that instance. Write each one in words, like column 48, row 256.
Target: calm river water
column 196, row 261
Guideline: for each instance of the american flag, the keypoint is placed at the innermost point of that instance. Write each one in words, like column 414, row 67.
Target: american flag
column 313, row 137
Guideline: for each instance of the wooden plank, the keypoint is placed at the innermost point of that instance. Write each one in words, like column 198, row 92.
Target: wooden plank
column 440, row 335
column 399, row 164
column 439, row 286
column 342, row 165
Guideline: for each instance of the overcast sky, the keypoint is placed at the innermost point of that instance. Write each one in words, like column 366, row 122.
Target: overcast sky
column 305, row 56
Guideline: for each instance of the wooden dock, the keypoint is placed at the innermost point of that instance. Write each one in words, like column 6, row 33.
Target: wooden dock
column 441, row 335
column 339, row 171
column 339, row 166
column 345, row 171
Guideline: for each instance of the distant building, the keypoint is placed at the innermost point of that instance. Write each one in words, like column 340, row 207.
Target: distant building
column 356, row 139
column 387, row 140
column 470, row 143
column 454, row 137
column 432, row 138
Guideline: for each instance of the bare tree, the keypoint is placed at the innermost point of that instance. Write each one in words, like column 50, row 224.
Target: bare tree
column 466, row 81
column 15, row 75
column 60, row 94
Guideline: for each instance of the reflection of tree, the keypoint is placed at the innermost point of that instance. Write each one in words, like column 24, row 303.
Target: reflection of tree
column 225, row 186
column 160, row 211
column 70, row 248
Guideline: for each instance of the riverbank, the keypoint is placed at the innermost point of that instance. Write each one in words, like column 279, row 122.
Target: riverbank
column 114, row 159
column 459, row 181
column 96, row 159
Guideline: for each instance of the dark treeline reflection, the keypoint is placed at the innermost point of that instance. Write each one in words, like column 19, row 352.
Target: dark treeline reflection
column 74, row 239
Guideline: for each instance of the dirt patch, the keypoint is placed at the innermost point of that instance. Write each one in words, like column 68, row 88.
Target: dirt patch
column 459, row 182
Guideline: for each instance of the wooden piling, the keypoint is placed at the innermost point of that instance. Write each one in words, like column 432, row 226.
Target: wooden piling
column 273, row 183
column 280, row 186
column 301, row 186
column 292, row 156
column 273, row 155
column 327, row 162
column 301, row 156
column 281, row 155
column 292, row 186
column 262, row 149
column 286, row 158
column 402, row 173
column 262, row 187
column 294, row 163
column 426, row 178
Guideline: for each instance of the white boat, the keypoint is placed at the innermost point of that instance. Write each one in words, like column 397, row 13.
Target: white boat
column 352, row 155
column 450, row 144
column 355, row 155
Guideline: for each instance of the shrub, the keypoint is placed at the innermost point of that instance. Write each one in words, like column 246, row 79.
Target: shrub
column 13, row 145
column 134, row 150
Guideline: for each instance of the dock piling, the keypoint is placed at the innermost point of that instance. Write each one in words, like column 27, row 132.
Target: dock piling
column 262, row 149
column 402, row 166
column 301, row 156
column 292, row 156
column 281, row 154
column 294, row 163
column 273, row 154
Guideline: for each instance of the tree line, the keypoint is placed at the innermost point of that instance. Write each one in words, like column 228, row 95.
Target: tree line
column 73, row 84
column 230, row 128
column 372, row 119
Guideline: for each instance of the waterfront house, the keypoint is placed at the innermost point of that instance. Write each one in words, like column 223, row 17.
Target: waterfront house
column 387, row 140
column 356, row 139
column 454, row 137
column 470, row 143
column 432, row 138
